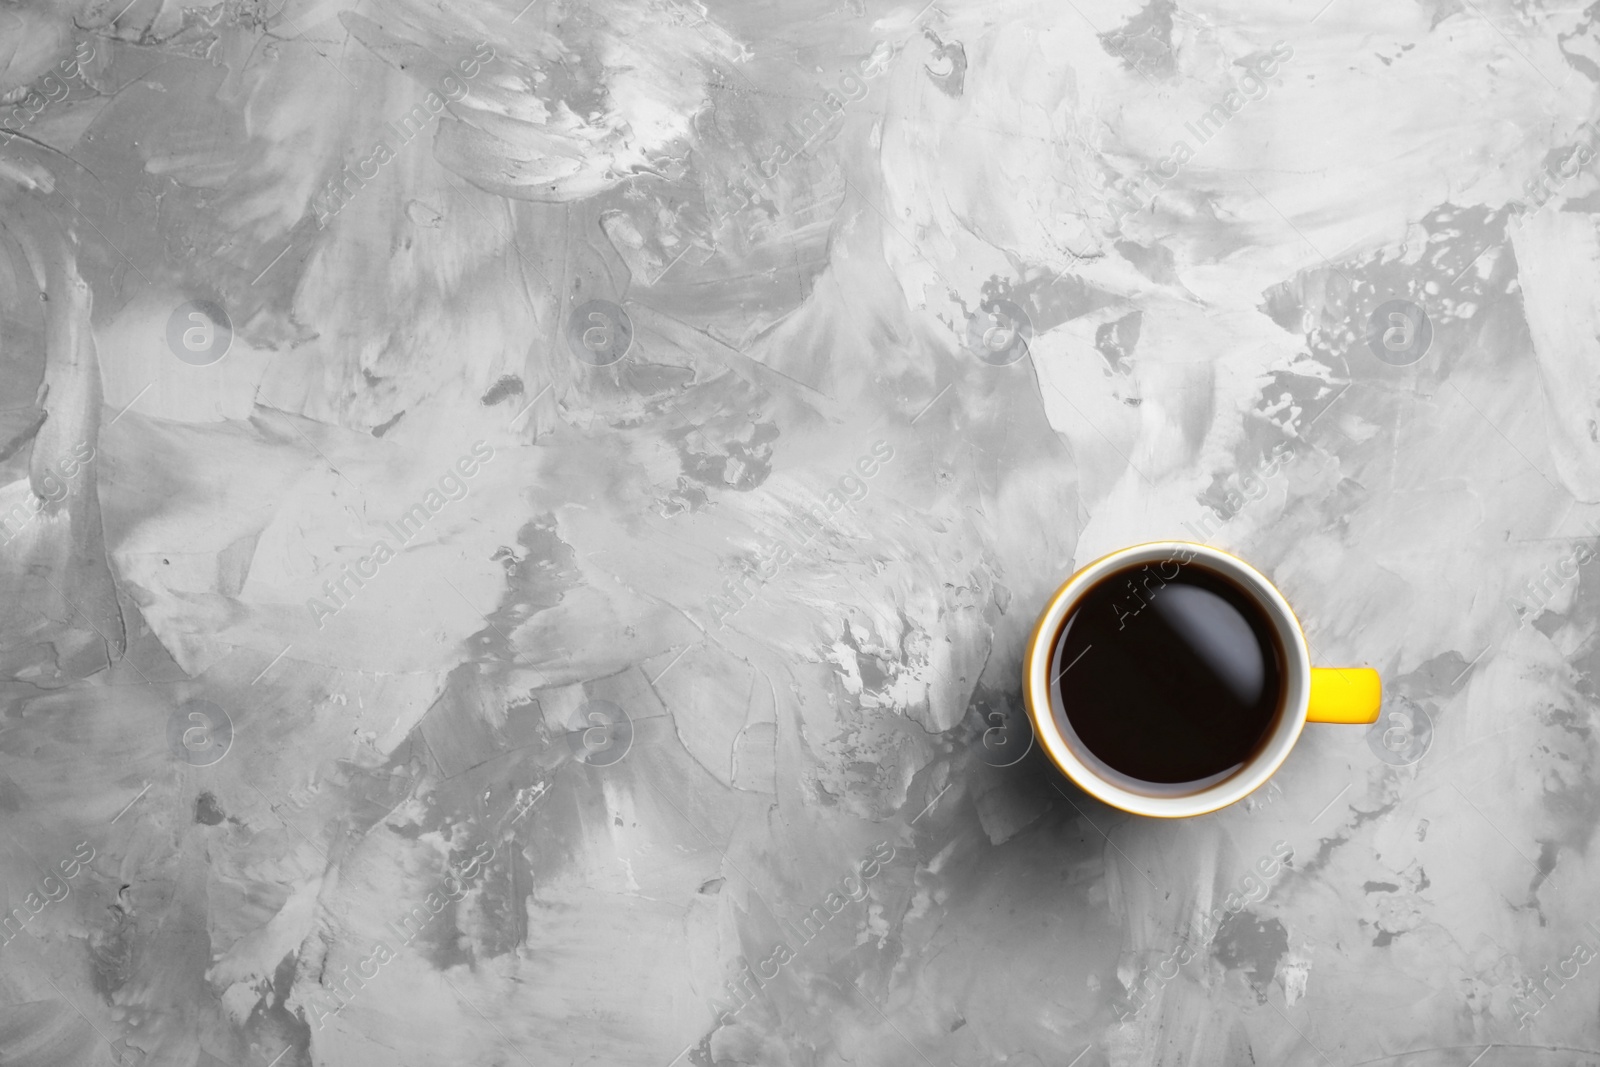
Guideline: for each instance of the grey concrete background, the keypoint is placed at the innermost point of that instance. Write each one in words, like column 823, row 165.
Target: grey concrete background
column 521, row 521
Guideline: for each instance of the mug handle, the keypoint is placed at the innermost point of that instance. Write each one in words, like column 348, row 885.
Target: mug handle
column 1344, row 694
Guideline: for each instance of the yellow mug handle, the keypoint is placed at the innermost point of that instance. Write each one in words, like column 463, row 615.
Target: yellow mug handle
column 1344, row 694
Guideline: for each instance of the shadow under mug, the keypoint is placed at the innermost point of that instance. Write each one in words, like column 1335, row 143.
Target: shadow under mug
column 1307, row 693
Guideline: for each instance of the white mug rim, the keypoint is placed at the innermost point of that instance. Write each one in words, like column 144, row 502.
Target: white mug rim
column 1297, row 682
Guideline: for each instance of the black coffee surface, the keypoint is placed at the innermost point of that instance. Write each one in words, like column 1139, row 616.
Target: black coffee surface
column 1168, row 673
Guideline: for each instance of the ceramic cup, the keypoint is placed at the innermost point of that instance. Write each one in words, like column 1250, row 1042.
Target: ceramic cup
column 1307, row 693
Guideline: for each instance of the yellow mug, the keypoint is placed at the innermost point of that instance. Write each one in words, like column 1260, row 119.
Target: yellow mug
column 1306, row 693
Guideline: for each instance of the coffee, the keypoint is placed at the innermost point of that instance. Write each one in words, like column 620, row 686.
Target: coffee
column 1168, row 675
